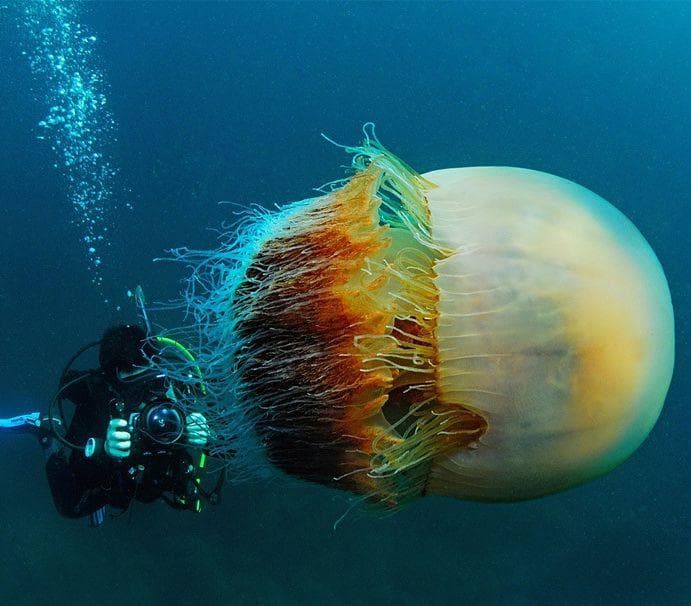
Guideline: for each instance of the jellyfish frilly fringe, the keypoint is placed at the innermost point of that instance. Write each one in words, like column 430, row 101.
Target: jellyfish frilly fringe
column 314, row 329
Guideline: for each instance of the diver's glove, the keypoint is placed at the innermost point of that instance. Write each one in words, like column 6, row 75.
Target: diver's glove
column 118, row 441
column 196, row 430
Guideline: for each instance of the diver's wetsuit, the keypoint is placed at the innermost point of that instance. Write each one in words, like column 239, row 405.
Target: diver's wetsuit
column 80, row 485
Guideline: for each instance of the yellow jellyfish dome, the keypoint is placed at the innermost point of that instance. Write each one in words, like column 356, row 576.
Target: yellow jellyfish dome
column 555, row 325
column 485, row 333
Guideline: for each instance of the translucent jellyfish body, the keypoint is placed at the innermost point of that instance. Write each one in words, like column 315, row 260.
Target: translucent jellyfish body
column 485, row 333
column 554, row 323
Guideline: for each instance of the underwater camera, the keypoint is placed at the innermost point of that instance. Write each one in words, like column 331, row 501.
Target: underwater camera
column 160, row 423
column 157, row 428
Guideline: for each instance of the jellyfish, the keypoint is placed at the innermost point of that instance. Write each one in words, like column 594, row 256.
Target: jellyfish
column 485, row 333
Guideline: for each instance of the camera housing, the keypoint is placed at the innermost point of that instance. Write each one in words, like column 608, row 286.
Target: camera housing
column 158, row 424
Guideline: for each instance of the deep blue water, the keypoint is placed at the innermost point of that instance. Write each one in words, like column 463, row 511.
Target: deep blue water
column 220, row 102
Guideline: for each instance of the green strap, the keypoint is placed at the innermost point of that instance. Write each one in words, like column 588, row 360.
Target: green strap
column 186, row 354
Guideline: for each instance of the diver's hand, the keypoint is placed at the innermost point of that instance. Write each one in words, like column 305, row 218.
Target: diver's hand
column 196, row 430
column 118, row 441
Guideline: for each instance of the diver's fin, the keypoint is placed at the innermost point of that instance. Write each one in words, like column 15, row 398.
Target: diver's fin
column 31, row 420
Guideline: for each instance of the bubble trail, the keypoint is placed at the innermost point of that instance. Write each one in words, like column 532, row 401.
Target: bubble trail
column 78, row 124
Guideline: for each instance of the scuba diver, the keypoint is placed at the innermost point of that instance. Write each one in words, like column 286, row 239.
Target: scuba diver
column 127, row 439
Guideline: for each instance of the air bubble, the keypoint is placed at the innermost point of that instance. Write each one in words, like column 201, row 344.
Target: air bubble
column 78, row 125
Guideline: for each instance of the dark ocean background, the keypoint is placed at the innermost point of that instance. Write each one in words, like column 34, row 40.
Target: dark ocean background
column 221, row 101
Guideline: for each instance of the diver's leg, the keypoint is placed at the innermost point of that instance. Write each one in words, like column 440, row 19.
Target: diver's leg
column 70, row 498
column 61, row 480
column 49, row 443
